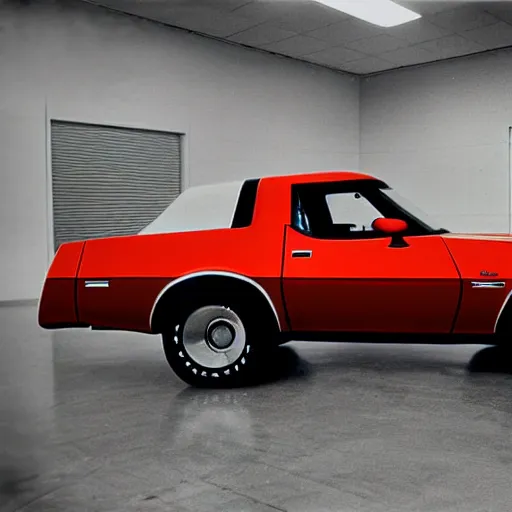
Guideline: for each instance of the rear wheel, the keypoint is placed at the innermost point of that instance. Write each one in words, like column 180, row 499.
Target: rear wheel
column 216, row 343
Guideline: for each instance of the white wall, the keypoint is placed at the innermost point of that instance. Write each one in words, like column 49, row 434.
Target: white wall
column 244, row 113
column 440, row 133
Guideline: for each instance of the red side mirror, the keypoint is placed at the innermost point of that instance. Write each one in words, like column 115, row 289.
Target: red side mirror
column 389, row 226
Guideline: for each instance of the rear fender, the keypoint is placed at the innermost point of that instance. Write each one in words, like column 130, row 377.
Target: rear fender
column 174, row 293
column 58, row 302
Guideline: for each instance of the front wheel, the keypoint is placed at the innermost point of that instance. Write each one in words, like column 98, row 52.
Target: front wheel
column 215, row 345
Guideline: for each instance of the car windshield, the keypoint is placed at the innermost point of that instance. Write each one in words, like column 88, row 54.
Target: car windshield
column 411, row 209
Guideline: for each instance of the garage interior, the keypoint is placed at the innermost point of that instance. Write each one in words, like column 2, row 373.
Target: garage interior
column 108, row 111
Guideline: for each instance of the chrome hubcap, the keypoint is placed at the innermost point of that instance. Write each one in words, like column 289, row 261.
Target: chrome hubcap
column 214, row 336
column 220, row 334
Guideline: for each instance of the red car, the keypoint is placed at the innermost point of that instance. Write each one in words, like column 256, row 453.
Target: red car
column 230, row 270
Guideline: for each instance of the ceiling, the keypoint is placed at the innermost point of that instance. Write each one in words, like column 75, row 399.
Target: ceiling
column 308, row 31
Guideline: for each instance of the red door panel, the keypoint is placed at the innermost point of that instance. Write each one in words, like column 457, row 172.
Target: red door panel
column 366, row 286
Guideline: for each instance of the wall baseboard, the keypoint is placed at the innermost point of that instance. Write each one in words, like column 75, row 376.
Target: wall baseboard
column 15, row 303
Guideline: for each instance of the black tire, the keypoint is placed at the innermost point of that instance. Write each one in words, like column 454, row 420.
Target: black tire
column 189, row 341
column 503, row 341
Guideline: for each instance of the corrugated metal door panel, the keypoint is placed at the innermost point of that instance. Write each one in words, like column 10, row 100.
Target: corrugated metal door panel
column 110, row 181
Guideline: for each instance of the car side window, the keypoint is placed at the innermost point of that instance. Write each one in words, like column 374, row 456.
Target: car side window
column 345, row 210
column 351, row 210
column 334, row 211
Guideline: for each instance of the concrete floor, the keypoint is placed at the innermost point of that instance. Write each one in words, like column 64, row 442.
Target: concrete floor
column 96, row 421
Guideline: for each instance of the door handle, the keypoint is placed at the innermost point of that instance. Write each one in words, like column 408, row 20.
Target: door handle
column 302, row 254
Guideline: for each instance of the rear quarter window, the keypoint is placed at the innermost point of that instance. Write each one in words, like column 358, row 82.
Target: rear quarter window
column 244, row 211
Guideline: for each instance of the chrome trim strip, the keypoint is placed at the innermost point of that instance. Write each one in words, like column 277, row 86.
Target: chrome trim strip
column 97, row 284
column 505, row 302
column 487, row 284
column 215, row 273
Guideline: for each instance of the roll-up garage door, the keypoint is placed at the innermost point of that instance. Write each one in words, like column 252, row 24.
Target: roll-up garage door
column 110, row 181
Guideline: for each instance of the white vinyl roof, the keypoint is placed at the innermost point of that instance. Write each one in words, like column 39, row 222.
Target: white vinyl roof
column 198, row 208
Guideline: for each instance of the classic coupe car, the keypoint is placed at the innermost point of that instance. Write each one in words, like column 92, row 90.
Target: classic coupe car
column 227, row 271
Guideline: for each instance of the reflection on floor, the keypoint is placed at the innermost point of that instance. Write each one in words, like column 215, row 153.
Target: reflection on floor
column 97, row 422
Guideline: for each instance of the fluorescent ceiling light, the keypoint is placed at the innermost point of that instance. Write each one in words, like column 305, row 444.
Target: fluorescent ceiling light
column 384, row 13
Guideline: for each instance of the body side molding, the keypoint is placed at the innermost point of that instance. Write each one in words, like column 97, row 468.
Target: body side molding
column 488, row 284
column 215, row 273
column 97, row 284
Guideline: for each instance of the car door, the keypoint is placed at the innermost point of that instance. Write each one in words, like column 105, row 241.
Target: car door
column 340, row 275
